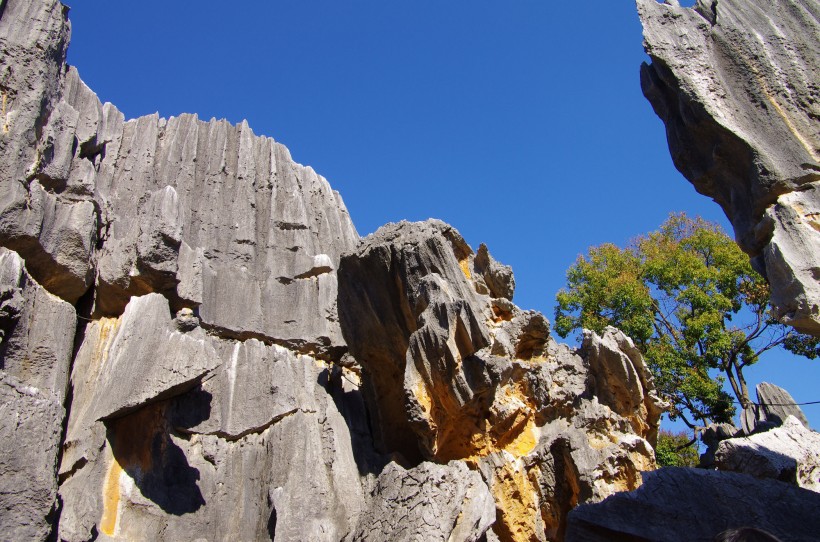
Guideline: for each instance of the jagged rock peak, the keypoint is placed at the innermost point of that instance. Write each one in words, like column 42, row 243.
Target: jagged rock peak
column 452, row 370
column 736, row 83
column 208, row 214
column 195, row 344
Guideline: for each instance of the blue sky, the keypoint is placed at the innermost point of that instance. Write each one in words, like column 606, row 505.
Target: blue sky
column 520, row 123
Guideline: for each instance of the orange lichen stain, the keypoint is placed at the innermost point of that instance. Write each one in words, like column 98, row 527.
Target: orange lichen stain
column 516, row 501
column 524, row 442
column 500, row 314
column 132, row 440
column 111, row 498
column 107, row 329
column 627, row 473
column 804, row 141
column 423, row 398
column 465, row 267
column 598, row 442
column 624, row 480
column 3, row 111
column 642, row 463
column 813, row 219
column 465, row 437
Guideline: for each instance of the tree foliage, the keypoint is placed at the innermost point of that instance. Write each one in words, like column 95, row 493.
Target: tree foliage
column 676, row 450
column 692, row 303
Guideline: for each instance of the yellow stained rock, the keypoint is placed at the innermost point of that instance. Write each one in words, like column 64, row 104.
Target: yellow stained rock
column 111, row 498
column 465, row 268
column 516, row 503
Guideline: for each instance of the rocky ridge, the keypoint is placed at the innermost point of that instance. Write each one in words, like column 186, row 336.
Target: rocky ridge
column 736, row 83
column 197, row 345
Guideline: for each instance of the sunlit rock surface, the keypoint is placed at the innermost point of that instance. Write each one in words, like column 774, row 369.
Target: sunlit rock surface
column 790, row 453
column 196, row 345
column 736, row 83
column 453, row 370
column 37, row 331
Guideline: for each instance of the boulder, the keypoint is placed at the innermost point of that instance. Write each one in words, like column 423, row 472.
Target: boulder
column 776, row 404
column 678, row 504
column 789, row 453
column 428, row 502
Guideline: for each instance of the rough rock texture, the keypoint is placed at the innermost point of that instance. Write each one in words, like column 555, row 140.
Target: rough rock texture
column 776, row 405
column 36, row 340
column 208, row 214
column 623, row 381
column 693, row 505
column 244, row 441
column 736, row 83
column 205, row 259
column 186, row 354
column 428, row 502
column 453, row 372
column 790, row 453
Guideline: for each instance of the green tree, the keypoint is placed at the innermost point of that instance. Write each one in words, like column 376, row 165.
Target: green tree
column 676, row 450
column 690, row 300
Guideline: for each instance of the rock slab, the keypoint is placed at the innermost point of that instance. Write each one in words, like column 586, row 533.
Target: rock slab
column 677, row 504
column 790, row 453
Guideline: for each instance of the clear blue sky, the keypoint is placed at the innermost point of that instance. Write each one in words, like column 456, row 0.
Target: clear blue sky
column 520, row 123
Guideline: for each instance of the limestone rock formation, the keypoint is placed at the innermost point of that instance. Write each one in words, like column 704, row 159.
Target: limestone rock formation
column 452, row 372
column 196, row 345
column 735, row 82
column 685, row 505
column 790, row 453
column 37, row 331
column 428, row 502
column 776, row 405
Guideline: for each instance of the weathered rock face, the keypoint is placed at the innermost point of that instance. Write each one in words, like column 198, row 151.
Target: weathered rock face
column 428, row 502
column 454, row 371
column 790, row 453
column 174, row 342
column 235, row 440
column 37, row 332
column 205, row 259
column 736, row 83
column 685, row 505
column 208, row 214
column 776, row 405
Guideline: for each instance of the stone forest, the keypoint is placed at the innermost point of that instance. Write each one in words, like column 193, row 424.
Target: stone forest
column 198, row 345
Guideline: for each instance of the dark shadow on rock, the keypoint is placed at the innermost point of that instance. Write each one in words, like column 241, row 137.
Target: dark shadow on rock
column 272, row 524
column 761, row 462
column 142, row 445
column 678, row 504
column 189, row 409
column 351, row 405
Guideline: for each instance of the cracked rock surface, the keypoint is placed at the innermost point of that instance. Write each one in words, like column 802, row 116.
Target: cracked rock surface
column 195, row 344
column 736, row 83
column 451, row 372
